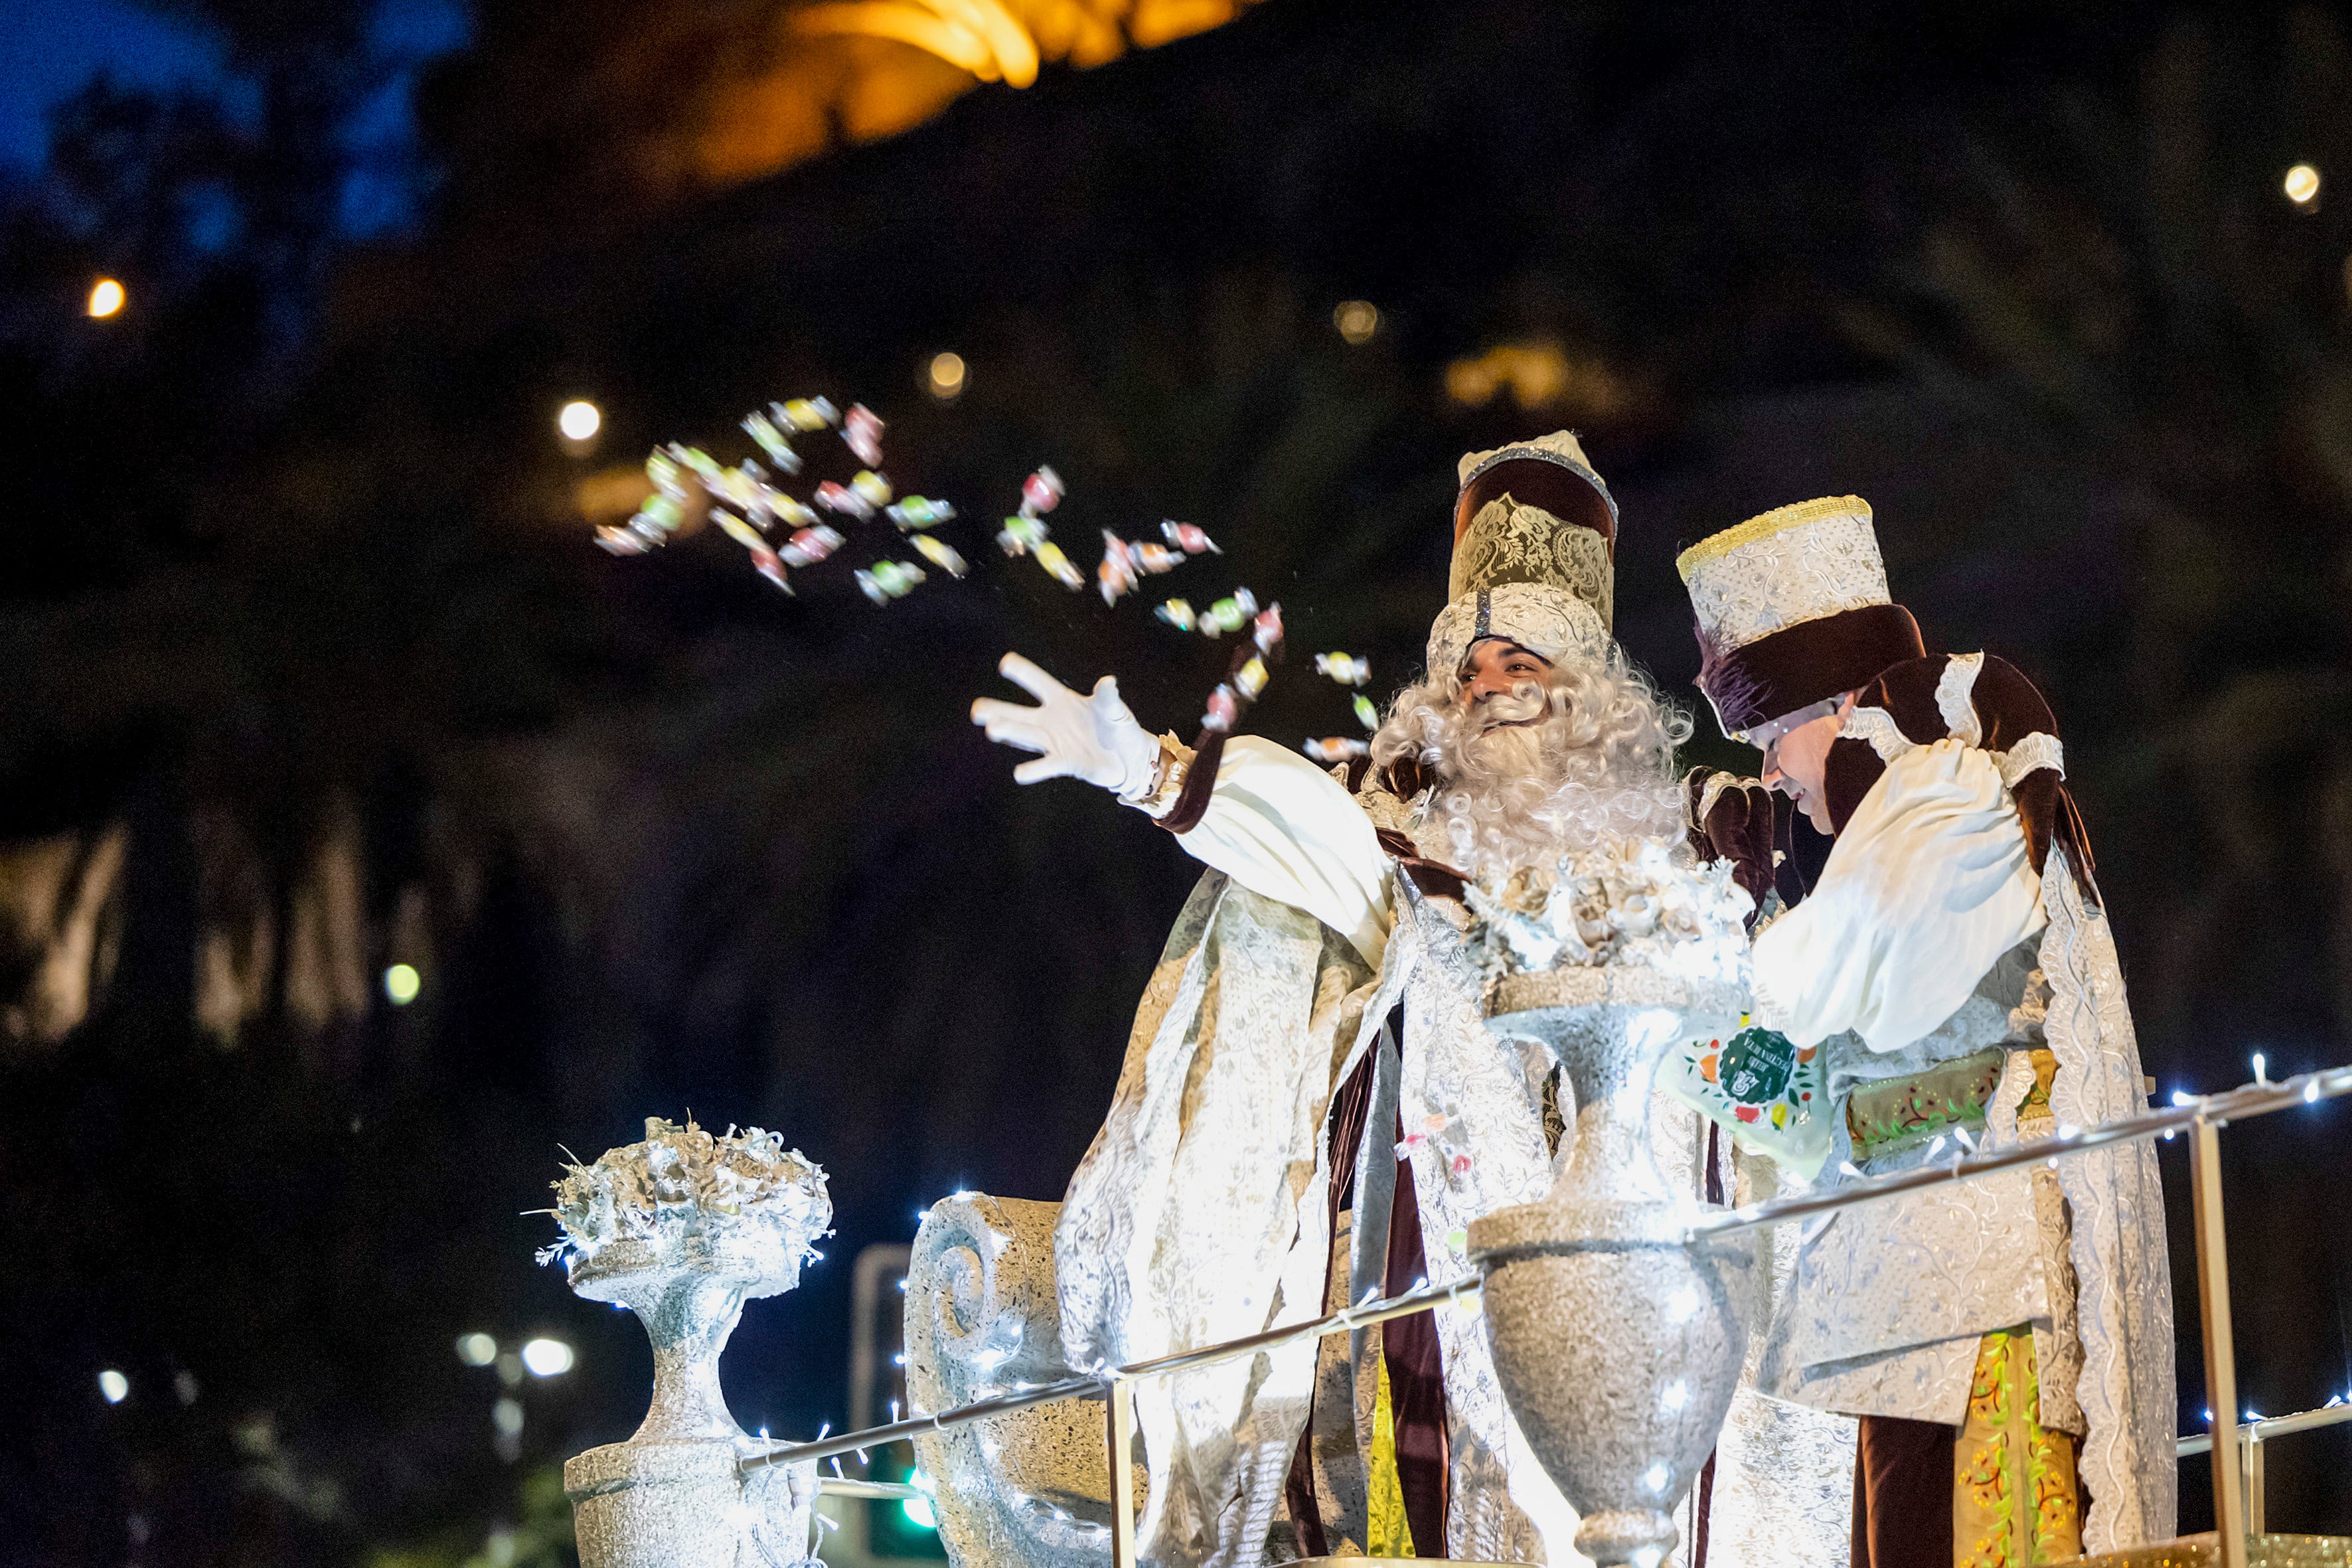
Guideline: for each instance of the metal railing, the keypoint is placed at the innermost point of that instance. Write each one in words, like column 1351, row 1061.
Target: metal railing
column 2201, row 1117
column 2252, row 1435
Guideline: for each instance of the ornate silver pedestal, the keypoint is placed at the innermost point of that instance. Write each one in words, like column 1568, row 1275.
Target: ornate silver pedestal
column 1617, row 1345
column 683, row 1229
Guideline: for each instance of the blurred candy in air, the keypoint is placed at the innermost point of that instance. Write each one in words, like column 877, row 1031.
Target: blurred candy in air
column 622, row 540
column 806, row 414
column 791, row 514
column 871, row 486
column 1117, row 574
column 762, row 429
column 917, row 512
column 1337, row 749
column 661, row 472
column 701, row 464
column 810, row 545
column 1250, row 679
column 842, row 498
column 889, row 579
column 1021, row 535
column 940, row 555
column 1155, row 558
column 659, row 517
column 741, row 532
column 1223, row 710
column 862, row 428
column 1041, row 492
column 1177, row 612
column 1345, row 668
column 764, row 560
column 1365, row 714
column 1189, row 539
column 1267, row 630
column 1050, row 556
column 1228, row 614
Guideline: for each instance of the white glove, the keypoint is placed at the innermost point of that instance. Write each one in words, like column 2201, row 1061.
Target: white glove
column 1091, row 738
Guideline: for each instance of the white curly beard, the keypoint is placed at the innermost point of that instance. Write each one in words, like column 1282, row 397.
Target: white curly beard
column 1582, row 758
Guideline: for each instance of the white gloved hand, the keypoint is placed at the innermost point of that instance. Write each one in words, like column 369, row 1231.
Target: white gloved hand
column 1091, row 738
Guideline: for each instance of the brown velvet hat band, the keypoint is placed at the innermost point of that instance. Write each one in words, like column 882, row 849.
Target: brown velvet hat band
column 1800, row 665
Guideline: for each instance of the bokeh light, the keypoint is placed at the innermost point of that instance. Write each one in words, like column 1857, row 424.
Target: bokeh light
column 507, row 1417
column 1357, row 319
column 920, row 1510
column 2301, row 185
column 580, row 420
column 547, row 1358
column 401, row 984
column 105, row 299
column 945, row 377
column 113, row 1386
column 476, row 1348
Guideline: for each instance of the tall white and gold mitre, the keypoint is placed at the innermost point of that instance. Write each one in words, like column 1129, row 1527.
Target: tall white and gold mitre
column 1535, row 541
column 1793, row 610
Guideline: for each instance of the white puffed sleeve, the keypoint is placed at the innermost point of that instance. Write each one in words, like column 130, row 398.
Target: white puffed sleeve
column 1286, row 830
column 1927, row 886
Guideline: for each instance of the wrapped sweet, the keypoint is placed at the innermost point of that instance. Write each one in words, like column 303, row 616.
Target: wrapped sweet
column 762, row 429
column 871, row 488
column 842, row 498
column 1337, row 749
column 862, row 428
column 1348, row 670
column 1049, row 555
column 808, row 414
column 1177, row 612
column 916, row 511
column 941, row 555
column 1189, row 539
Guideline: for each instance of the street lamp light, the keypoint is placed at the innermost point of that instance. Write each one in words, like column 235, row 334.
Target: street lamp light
column 106, row 298
column 578, row 419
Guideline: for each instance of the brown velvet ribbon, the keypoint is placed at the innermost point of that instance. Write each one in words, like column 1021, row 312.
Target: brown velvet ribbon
column 1409, row 1347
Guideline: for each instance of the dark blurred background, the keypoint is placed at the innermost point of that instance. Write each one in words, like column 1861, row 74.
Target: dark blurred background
column 312, row 671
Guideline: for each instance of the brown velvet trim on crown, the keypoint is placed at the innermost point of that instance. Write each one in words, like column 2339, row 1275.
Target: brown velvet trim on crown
column 1800, row 665
column 1547, row 487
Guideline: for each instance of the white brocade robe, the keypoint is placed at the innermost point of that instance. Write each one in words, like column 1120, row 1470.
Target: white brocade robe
column 1201, row 1213
column 1929, row 937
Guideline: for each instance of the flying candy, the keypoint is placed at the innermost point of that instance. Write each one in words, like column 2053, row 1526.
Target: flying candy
column 1117, row 574
column 1223, row 710
column 842, row 498
column 791, row 514
column 622, row 540
column 661, row 472
column 1154, row 558
column 1345, row 668
column 1021, row 535
column 917, row 512
column 1337, row 749
column 1177, row 612
column 810, row 545
column 1049, row 555
column 741, row 532
column 1189, row 539
column 765, row 562
column 1228, row 614
column 1041, row 492
column 940, row 554
column 1267, row 630
column 1250, row 679
column 889, row 579
column 872, row 487
column 1365, row 714
column 762, row 429
column 808, row 414
column 862, row 428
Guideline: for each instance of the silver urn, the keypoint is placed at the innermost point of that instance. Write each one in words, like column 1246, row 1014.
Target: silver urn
column 1617, row 1343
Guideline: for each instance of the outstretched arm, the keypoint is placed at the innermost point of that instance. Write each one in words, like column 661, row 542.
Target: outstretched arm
column 1276, row 823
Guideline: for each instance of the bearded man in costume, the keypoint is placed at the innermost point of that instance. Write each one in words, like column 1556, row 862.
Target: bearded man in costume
column 2006, row 1343
column 1300, row 1035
